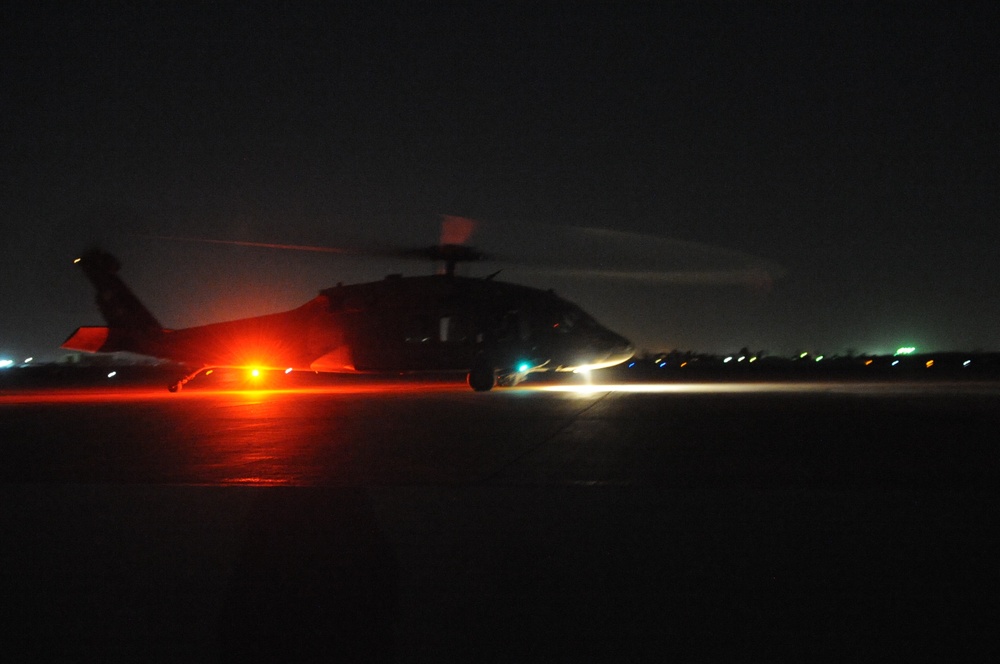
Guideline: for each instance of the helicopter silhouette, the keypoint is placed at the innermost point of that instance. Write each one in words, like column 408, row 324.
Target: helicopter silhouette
column 495, row 332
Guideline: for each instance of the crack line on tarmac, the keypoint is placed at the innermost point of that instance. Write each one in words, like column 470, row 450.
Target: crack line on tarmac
column 565, row 425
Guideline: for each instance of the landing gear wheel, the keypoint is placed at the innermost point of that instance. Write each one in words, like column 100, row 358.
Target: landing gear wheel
column 482, row 376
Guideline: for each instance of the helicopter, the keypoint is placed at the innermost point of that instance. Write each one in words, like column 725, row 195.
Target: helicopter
column 495, row 332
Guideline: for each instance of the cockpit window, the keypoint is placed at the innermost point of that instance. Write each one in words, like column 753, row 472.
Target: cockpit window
column 566, row 321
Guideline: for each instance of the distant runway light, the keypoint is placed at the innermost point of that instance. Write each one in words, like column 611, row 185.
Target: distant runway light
column 966, row 363
column 288, row 370
column 112, row 374
column 728, row 359
column 690, row 388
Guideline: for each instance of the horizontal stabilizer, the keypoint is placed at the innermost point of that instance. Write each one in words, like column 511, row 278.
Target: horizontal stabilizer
column 89, row 339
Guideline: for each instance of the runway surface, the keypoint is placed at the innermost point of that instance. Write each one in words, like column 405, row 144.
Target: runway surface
column 406, row 521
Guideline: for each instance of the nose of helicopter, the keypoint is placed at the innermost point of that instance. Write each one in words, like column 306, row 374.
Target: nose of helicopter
column 620, row 349
column 611, row 349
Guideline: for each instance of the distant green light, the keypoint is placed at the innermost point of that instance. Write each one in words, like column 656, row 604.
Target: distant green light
column 802, row 355
column 819, row 357
column 522, row 367
column 906, row 350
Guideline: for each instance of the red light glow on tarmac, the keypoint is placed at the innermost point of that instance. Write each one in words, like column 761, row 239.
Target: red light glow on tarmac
column 139, row 394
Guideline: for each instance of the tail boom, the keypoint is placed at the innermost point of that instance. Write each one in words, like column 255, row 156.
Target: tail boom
column 97, row 339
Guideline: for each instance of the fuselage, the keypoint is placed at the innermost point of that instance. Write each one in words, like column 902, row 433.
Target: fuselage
column 431, row 323
column 404, row 324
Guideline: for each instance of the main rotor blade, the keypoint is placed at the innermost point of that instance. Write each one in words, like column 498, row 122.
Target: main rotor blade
column 264, row 245
column 564, row 252
column 749, row 277
column 458, row 253
column 600, row 253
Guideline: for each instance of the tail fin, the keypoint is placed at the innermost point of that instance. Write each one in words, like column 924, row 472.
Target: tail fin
column 119, row 306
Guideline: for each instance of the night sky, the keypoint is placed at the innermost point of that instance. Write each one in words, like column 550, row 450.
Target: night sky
column 850, row 151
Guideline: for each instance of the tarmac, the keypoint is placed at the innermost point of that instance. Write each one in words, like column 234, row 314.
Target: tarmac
column 412, row 521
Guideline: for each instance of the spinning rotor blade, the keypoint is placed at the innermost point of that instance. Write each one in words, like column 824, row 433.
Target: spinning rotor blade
column 448, row 253
column 564, row 252
column 599, row 253
column 264, row 245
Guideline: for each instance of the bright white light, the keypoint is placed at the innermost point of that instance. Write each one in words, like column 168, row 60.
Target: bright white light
column 728, row 359
column 28, row 360
column 288, row 370
column 895, row 362
column 4, row 364
column 112, row 374
column 741, row 358
column 591, row 367
column 966, row 363
column 906, row 350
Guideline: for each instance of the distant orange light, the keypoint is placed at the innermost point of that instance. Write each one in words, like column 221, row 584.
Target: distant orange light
column 684, row 364
column 929, row 363
column 867, row 362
